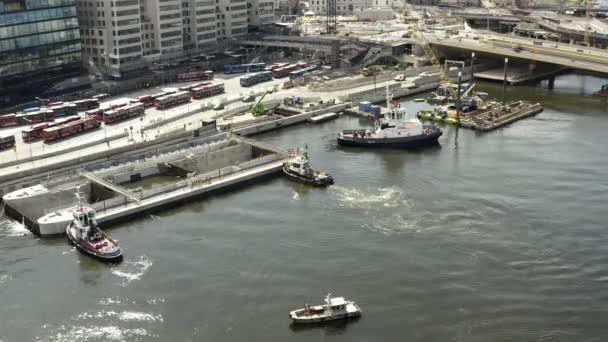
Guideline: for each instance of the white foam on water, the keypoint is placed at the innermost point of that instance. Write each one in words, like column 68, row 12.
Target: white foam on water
column 126, row 316
column 139, row 316
column 391, row 197
column 110, row 301
column 388, row 210
column 5, row 277
column 10, row 227
column 155, row 301
column 132, row 270
column 94, row 333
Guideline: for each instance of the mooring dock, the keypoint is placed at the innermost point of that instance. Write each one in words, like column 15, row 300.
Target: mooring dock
column 120, row 191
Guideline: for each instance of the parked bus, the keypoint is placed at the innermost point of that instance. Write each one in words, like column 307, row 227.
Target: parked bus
column 195, row 76
column 240, row 68
column 31, row 109
column 172, row 100
column 86, row 104
column 146, row 100
column 192, row 86
column 42, row 115
column 284, row 71
column 206, row 91
column 7, row 142
column 123, row 113
column 69, row 129
column 8, row 120
column 299, row 73
column 276, row 66
column 34, row 132
column 65, row 109
column 252, row 79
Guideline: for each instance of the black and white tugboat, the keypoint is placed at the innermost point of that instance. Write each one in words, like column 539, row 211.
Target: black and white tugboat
column 88, row 238
column 298, row 168
column 333, row 309
column 394, row 130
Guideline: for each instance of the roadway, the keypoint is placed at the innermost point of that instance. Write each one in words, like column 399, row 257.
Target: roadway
column 572, row 56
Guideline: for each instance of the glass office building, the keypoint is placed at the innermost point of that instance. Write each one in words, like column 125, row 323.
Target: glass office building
column 39, row 42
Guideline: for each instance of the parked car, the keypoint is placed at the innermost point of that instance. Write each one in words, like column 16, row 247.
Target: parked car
column 400, row 78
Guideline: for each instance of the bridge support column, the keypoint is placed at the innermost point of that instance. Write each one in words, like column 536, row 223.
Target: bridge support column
column 551, row 82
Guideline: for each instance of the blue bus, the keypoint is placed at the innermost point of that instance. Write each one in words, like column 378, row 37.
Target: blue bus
column 250, row 80
column 241, row 68
column 299, row 73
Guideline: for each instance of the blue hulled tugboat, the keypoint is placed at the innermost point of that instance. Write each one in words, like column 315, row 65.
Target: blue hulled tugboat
column 88, row 238
column 394, row 130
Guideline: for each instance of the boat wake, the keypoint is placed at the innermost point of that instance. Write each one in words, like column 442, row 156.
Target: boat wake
column 106, row 325
column 391, row 197
column 95, row 333
column 4, row 278
column 10, row 227
column 132, row 270
column 125, row 316
column 388, row 210
column 296, row 196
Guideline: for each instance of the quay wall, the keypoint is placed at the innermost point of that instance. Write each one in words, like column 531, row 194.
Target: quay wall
column 36, row 206
column 67, row 169
column 294, row 119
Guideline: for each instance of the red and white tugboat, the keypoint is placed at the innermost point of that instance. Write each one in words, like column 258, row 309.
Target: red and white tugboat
column 88, row 238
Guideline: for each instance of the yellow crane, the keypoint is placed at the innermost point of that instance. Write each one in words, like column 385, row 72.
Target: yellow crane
column 429, row 52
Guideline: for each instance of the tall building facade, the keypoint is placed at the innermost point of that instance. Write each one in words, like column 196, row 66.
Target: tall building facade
column 39, row 45
column 260, row 12
column 117, row 35
column 349, row 7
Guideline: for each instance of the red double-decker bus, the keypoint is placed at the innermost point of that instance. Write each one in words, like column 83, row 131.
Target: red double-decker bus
column 209, row 90
column 195, row 76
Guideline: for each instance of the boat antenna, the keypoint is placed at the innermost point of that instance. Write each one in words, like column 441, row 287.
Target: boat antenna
column 389, row 98
column 78, row 198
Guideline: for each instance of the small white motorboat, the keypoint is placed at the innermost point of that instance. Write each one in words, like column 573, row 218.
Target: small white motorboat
column 333, row 309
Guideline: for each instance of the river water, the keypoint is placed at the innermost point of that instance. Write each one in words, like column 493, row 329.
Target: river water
column 489, row 237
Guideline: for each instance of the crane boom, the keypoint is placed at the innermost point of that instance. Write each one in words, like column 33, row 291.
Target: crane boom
column 429, row 53
column 258, row 108
column 587, row 21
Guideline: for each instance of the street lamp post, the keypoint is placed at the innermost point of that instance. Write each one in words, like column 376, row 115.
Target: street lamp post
column 504, row 82
column 458, row 96
column 472, row 66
